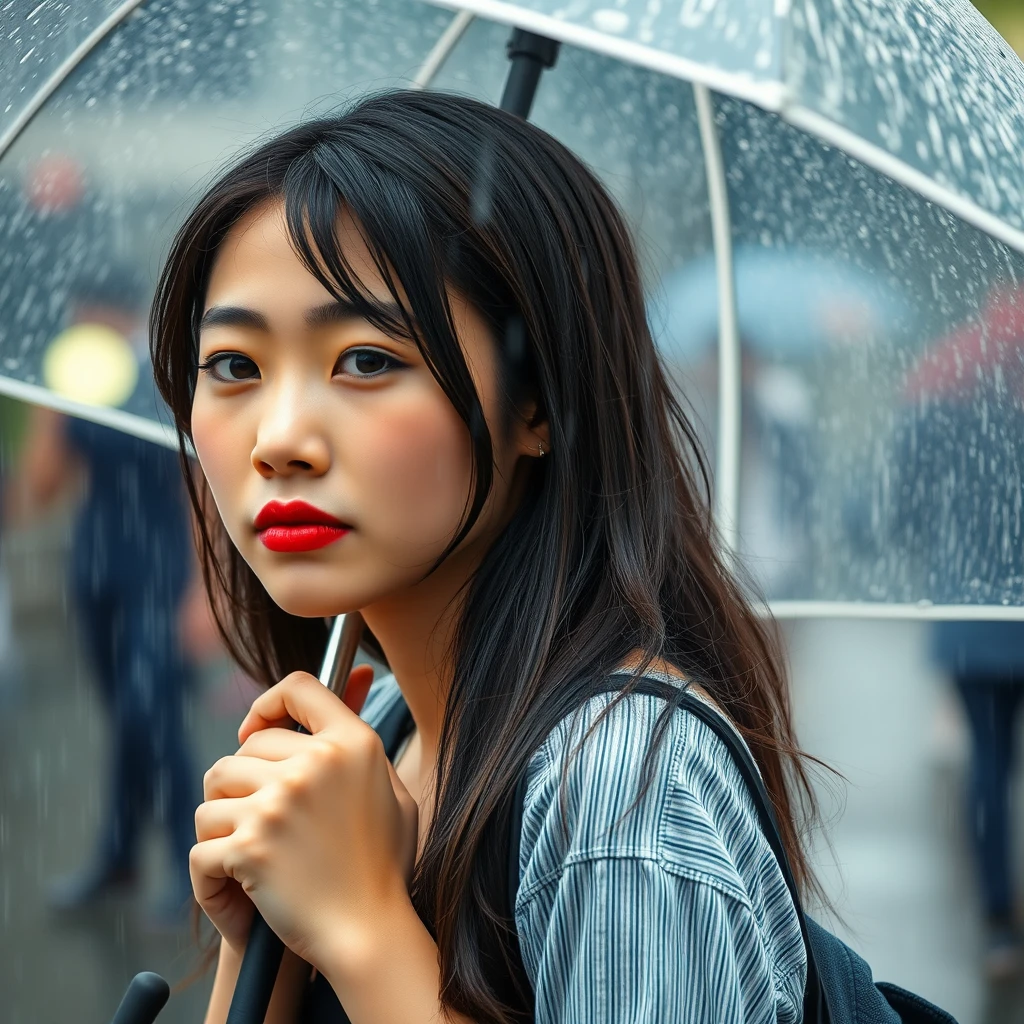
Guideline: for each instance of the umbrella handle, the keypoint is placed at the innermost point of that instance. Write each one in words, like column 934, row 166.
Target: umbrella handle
column 263, row 950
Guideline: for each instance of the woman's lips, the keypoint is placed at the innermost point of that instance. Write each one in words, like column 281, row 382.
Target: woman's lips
column 295, row 526
column 301, row 538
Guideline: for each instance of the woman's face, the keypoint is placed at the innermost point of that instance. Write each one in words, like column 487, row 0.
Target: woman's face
column 298, row 400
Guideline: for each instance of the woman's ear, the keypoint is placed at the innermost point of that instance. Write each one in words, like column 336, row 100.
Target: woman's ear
column 533, row 434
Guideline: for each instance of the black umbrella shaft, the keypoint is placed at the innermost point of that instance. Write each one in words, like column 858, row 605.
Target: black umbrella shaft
column 530, row 54
column 257, row 975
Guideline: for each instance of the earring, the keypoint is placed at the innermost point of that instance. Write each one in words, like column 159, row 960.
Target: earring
column 540, row 449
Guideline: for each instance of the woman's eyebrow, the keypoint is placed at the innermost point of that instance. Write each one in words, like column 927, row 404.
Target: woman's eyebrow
column 234, row 316
column 333, row 312
column 338, row 311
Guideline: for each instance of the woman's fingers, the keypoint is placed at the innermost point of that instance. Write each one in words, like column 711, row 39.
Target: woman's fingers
column 304, row 700
column 210, row 867
column 221, row 897
column 206, row 865
column 238, row 776
column 216, row 819
column 273, row 744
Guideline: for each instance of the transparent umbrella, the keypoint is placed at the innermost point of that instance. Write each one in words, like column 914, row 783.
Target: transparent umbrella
column 883, row 138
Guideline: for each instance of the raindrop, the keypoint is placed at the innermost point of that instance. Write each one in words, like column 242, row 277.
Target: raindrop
column 608, row 19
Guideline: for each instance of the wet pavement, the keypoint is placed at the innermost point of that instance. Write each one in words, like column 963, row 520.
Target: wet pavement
column 866, row 701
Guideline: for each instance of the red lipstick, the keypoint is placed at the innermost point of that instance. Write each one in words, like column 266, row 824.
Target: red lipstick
column 293, row 526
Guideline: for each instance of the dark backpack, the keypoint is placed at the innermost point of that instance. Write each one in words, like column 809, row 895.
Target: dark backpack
column 840, row 988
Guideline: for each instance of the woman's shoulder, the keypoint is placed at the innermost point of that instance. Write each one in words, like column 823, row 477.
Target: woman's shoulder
column 681, row 866
column 586, row 799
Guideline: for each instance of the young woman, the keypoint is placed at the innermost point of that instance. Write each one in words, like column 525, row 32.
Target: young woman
column 410, row 349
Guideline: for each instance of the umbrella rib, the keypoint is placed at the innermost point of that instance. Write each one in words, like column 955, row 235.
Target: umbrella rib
column 922, row 611
column 727, row 474
column 900, row 171
column 50, row 86
column 126, row 422
column 442, row 50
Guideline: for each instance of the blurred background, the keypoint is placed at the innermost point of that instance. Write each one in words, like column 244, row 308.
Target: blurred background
column 882, row 386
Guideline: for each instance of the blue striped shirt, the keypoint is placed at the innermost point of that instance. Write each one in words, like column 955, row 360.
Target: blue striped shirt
column 672, row 910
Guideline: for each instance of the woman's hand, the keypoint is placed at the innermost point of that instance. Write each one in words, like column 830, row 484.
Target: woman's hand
column 316, row 830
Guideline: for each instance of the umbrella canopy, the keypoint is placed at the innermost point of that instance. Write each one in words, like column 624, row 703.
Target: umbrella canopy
column 900, row 85
column 38, row 39
column 881, row 139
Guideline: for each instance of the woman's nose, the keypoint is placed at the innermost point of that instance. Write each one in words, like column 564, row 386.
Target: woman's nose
column 290, row 439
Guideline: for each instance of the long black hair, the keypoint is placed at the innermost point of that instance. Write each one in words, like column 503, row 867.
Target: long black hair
column 612, row 549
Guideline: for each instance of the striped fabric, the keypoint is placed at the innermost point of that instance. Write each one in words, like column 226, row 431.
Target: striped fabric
column 672, row 910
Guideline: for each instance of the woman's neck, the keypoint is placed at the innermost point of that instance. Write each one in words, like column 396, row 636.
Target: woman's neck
column 415, row 630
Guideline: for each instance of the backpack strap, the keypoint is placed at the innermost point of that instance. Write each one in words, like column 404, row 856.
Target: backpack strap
column 815, row 1005
column 396, row 724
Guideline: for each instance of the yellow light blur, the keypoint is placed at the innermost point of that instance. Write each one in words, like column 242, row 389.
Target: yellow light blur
column 91, row 363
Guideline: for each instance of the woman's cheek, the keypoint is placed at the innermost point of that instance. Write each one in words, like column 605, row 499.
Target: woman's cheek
column 219, row 452
column 415, row 466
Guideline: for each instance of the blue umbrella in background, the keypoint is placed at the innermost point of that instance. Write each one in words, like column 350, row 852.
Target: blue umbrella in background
column 790, row 304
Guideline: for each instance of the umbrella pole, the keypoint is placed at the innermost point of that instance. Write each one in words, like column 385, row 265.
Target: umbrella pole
column 530, row 55
column 727, row 470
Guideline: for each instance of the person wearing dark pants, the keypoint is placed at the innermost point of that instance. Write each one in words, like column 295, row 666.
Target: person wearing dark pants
column 131, row 565
column 986, row 661
column 948, row 513
column 144, row 679
column 132, row 569
column 991, row 705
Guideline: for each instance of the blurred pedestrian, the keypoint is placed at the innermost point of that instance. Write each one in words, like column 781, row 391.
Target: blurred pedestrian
column 959, row 481
column 11, row 679
column 10, row 655
column 130, row 568
column 985, row 660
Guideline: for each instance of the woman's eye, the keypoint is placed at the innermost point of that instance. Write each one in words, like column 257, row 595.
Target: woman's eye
column 366, row 362
column 231, row 368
